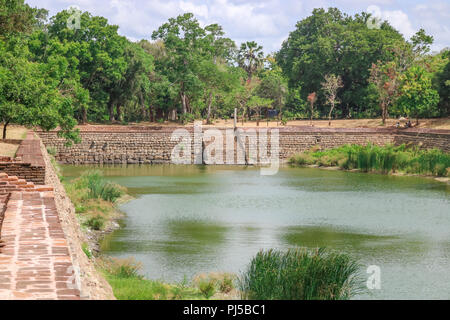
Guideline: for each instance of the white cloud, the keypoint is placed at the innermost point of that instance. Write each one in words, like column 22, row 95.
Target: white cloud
column 265, row 21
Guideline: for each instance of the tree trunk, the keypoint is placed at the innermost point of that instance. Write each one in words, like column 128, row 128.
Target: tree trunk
column 111, row 104
column 259, row 118
column 208, row 118
column 4, row 129
column 329, row 115
column 383, row 113
column 83, row 115
column 151, row 114
column 183, row 102
column 119, row 113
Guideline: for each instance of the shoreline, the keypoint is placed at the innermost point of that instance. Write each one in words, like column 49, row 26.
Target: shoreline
column 395, row 174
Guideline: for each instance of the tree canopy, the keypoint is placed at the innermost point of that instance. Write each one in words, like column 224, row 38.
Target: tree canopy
column 55, row 74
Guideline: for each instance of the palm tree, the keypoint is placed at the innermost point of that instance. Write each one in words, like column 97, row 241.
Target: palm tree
column 250, row 58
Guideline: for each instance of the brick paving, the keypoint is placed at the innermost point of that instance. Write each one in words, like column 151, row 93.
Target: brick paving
column 35, row 263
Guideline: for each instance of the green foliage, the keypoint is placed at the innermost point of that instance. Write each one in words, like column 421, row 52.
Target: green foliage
column 127, row 283
column 95, row 223
column 207, row 287
column 16, row 17
column 299, row 274
column 98, row 188
column 442, row 83
column 87, row 251
column 52, row 151
column 53, row 76
column 387, row 159
column 124, row 268
column 417, row 96
column 331, row 42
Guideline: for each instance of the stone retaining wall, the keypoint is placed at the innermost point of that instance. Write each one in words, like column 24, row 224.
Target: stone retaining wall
column 147, row 145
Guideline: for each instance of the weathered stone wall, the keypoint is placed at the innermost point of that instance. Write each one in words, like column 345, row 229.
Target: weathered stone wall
column 425, row 140
column 149, row 145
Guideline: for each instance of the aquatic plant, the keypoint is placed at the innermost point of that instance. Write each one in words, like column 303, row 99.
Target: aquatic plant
column 372, row 158
column 300, row 274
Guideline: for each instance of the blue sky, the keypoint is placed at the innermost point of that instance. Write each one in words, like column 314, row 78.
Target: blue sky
column 266, row 21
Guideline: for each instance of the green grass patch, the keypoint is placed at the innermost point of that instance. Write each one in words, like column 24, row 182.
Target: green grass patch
column 94, row 199
column 386, row 159
column 127, row 283
column 300, row 274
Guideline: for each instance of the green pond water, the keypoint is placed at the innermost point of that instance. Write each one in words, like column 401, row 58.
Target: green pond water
column 188, row 220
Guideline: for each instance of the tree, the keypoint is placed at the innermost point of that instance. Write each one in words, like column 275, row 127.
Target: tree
column 16, row 17
column 385, row 78
column 99, row 53
column 330, row 86
column 443, row 86
column 273, row 86
column 418, row 98
column 28, row 96
column 330, row 42
column 250, row 58
column 257, row 103
column 184, row 41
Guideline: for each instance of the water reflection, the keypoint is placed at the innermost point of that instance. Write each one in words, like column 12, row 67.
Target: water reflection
column 191, row 219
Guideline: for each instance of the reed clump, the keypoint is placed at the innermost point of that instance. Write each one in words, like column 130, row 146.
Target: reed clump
column 383, row 159
column 94, row 199
column 300, row 274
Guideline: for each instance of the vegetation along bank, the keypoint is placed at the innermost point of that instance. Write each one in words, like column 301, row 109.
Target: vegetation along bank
column 387, row 159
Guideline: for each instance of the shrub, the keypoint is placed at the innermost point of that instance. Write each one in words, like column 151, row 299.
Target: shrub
column 52, row 151
column 300, row 274
column 207, row 287
column 123, row 268
column 227, row 284
column 98, row 188
column 87, row 251
column 95, row 223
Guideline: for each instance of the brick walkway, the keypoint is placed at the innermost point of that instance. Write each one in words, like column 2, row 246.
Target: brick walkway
column 35, row 262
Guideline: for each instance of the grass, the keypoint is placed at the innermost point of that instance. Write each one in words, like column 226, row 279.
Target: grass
column 94, row 199
column 8, row 150
column 300, row 274
column 127, row 283
column 386, row 159
column 14, row 133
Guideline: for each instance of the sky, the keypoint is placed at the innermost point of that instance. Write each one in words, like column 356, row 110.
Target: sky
column 267, row 22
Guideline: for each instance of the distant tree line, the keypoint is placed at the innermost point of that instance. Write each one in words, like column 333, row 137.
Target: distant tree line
column 332, row 66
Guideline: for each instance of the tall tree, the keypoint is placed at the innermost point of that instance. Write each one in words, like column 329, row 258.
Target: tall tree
column 418, row 98
column 28, row 96
column 273, row 85
column 331, row 86
column 99, row 52
column 329, row 41
column 250, row 58
column 184, row 41
column 16, row 17
column 386, row 79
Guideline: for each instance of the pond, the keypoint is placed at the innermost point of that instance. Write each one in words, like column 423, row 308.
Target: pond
column 188, row 220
